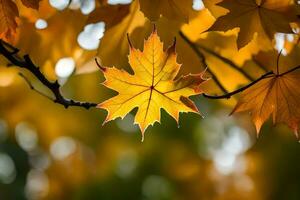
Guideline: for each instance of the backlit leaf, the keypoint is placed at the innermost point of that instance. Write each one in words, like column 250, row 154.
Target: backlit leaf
column 277, row 95
column 171, row 9
column 264, row 17
column 152, row 86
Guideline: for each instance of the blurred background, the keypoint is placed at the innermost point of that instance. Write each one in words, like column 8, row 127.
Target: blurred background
column 49, row 152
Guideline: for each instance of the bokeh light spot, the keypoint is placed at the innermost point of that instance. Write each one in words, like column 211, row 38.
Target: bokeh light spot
column 64, row 67
column 59, row 4
column 26, row 136
column 198, row 5
column 41, row 24
column 7, row 169
column 114, row 2
column 37, row 185
column 62, row 147
column 89, row 38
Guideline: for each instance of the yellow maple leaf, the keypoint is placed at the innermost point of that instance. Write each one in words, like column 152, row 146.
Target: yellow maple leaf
column 171, row 9
column 264, row 17
column 276, row 95
column 8, row 14
column 152, row 86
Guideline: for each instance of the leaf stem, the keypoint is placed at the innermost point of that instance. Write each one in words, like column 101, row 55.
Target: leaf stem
column 277, row 62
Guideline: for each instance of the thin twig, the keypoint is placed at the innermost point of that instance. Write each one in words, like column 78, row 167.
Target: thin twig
column 277, row 62
column 203, row 61
column 227, row 61
column 267, row 75
column 230, row 94
column 289, row 71
column 33, row 88
column 9, row 52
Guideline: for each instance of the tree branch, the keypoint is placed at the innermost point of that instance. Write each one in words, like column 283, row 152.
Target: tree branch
column 289, row 71
column 32, row 87
column 227, row 61
column 10, row 53
column 266, row 75
column 203, row 61
column 228, row 95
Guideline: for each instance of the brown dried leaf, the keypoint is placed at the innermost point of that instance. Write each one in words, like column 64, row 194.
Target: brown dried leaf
column 8, row 14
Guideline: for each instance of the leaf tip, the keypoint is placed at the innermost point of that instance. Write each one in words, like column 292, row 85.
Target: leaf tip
column 186, row 101
column 172, row 48
column 103, row 69
column 129, row 41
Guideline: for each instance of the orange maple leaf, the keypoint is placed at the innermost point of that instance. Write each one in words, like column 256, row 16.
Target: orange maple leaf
column 276, row 95
column 8, row 14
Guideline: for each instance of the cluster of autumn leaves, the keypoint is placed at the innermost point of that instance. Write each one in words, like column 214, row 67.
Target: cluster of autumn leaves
column 155, row 83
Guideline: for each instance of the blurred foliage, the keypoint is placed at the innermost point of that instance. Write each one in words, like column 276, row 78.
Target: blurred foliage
column 48, row 152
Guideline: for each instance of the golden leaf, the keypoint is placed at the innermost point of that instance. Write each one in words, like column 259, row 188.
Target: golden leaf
column 113, row 46
column 152, row 86
column 264, row 17
column 171, row 9
column 276, row 95
column 8, row 14
column 110, row 14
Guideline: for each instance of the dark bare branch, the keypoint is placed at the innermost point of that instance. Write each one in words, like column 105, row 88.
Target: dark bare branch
column 230, row 94
column 227, row 61
column 266, row 75
column 203, row 61
column 32, row 87
column 227, row 94
column 10, row 53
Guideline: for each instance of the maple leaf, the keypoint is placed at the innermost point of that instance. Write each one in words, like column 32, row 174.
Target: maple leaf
column 171, row 9
column 31, row 3
column 113, row 46
column 264, row 17
column 8, row 14
column 110, row 14
column 276, row 95
column 152, row 86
